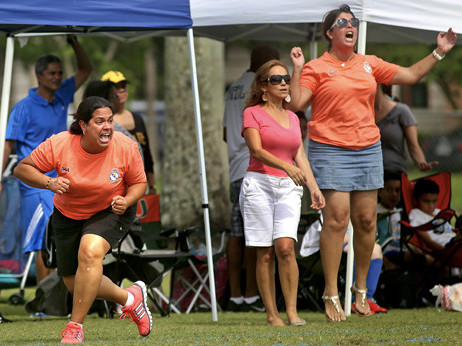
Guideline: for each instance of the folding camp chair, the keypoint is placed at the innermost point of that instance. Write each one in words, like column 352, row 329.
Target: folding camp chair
column 191, row 288
column 451, row 256
column 153, row 265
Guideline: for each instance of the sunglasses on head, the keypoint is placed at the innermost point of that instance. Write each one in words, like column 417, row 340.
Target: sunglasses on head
column 343, row 22
column 276, row 79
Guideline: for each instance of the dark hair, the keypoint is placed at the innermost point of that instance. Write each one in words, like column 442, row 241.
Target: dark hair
column 391, row 175
column 261, row 76
column 99, row 88
column 261, row 54
column 329, row 20
column 387, row 90
column 424, row 186
column 42, row 63
column 301, row 115
column 85, row 112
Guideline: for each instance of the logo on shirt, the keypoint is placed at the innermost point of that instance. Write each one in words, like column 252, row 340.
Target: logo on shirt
column 367, row 67
column 65, row 169
column 332, row 73
column 115, row 175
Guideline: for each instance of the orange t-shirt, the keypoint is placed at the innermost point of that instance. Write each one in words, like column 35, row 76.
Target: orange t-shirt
column 342, row 103
column 94, row 178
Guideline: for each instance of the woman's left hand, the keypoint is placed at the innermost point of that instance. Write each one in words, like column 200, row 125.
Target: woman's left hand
column 317, row 199
column 119, row 205
column 426, row 166
column 446, row 40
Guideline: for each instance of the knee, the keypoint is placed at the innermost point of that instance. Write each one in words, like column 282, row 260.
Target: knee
column 365, row 222
column 337, row 222
column 285, row 253
column 90, row 255
column 265, row 256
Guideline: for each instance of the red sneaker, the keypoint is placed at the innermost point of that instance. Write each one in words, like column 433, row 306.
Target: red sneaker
column 139, row 311
column 72, row 334
column 376, row 308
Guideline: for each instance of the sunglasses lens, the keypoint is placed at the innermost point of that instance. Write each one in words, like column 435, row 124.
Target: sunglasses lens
column 342, row 22
column 275, row 79
column 354, row 22
column 286, row 78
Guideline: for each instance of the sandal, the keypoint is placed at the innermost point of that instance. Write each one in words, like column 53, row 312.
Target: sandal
column 335, row 301
column 366, row 310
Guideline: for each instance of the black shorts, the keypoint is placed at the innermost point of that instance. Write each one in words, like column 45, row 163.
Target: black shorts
column 68, row 232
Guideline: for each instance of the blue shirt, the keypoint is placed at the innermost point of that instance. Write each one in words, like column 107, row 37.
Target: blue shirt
column 34, row 119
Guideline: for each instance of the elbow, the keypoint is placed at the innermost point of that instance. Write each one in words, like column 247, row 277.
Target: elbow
column 17, row 171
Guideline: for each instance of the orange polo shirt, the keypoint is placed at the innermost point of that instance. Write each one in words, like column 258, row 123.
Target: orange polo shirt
column 342, row 104
column 94, row 178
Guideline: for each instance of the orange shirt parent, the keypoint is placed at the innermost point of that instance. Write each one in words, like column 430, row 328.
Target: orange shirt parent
column 342, row 103
column 94, row 178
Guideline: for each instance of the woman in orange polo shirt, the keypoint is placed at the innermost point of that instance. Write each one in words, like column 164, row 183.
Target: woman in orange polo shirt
column 100, row 178
column 344, row 147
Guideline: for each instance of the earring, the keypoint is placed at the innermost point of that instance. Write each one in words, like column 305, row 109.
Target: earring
column 263, row 97
column 83, row 132
column 288, row 99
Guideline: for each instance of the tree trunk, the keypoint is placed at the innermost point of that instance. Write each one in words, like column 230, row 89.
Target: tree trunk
column 181, row 202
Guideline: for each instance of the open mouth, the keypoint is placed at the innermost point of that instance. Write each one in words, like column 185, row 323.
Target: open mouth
column 349, row 35
column 105, row 138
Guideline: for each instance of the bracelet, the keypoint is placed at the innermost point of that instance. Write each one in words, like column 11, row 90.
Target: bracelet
column 437, row 56
column 48, row 183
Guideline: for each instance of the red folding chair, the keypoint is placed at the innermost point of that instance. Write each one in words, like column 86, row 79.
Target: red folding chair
column 450, row 256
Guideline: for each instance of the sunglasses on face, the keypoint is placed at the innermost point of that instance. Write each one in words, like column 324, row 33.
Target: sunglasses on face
column 343, row 22
column 276, row 79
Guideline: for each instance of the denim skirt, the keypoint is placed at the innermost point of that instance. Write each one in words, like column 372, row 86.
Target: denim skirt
column 343, row 169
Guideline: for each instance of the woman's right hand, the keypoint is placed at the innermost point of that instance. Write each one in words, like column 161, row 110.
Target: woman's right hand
column 296, row 174
column 59, row 185
column 296, row 55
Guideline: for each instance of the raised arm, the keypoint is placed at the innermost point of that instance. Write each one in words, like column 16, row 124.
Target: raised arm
column 410, row 75
column 84, row 66
column 299, row 96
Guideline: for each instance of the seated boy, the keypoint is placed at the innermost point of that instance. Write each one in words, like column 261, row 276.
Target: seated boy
column 425, row 196
column 388, row 217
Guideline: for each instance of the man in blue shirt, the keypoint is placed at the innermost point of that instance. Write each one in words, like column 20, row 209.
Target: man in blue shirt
column 32, row 120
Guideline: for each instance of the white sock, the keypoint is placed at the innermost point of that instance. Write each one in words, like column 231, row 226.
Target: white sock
column 251, row 300
column 130, row 300
column 237, row 300
column 79, row 324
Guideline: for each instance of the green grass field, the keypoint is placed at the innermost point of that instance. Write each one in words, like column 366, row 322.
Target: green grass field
column 417, row 327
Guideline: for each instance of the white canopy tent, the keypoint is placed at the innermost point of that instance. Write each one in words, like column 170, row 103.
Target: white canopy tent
column 399, row 21
column 118, row 19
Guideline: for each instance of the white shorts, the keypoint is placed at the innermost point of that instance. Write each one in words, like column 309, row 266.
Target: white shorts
column 270, row 207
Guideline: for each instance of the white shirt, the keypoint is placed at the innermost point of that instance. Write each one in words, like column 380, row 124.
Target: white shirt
column 238, row 153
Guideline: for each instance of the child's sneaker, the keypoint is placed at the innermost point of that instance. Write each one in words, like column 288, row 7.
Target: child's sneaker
column 72, row 334
column 139, row 311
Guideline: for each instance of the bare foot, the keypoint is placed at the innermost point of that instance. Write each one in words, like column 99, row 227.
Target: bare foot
column 276, row 322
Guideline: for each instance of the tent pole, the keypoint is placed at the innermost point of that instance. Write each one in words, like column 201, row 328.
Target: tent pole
column 200, row 151
column 7, row 73
column 350, row 255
